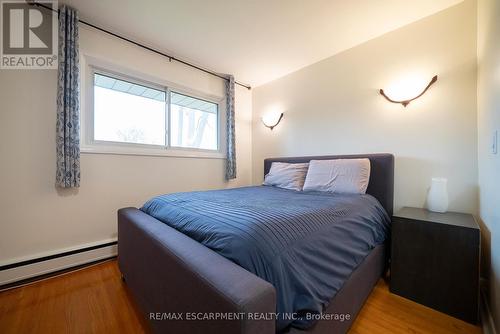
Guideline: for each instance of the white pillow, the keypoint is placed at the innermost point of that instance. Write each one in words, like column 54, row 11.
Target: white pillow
column 285, row 175
column 346, row 176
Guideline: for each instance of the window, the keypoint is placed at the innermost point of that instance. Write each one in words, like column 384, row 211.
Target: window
column 193, row 122
column 129, row 113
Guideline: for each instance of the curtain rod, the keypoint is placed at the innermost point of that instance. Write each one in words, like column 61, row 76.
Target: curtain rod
column 170, row 58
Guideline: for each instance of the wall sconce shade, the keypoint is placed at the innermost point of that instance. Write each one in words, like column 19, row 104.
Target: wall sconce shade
column 406, row 102
column 271, row 120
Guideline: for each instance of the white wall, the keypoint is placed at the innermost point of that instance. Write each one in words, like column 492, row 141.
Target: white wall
column 38, row 218
column 489, row 164
column 333, row 107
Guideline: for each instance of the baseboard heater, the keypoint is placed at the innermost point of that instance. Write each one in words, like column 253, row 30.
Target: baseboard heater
column 19, row 272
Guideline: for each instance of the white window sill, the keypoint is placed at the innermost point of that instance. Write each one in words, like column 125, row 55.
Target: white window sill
column 153, row 152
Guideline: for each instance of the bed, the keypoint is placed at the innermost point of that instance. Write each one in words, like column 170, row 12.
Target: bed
column 187, row 274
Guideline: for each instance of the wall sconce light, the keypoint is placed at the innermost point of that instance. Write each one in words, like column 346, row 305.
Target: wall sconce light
column 272, row 119
column 406, row 102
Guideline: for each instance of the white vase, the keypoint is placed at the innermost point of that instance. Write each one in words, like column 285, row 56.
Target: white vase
column 437, row 198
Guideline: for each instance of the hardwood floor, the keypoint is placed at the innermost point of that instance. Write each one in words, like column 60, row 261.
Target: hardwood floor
column 95, row 300
column 91, row 300
column 385, row 312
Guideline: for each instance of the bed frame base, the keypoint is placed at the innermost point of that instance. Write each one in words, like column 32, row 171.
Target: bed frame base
column 170, row 273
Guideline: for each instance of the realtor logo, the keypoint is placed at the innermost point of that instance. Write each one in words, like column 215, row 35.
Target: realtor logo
column 29, row 35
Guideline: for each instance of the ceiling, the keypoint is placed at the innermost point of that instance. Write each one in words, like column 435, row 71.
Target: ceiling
column 256, row 40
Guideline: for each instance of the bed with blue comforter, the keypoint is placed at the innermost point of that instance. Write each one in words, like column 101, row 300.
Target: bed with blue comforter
column 306, row 244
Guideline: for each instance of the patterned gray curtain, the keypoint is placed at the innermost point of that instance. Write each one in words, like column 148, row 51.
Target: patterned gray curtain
column 68, row 101
column 231, row 147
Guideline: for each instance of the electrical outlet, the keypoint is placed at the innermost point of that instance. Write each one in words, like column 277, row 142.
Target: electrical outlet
column 494, row 144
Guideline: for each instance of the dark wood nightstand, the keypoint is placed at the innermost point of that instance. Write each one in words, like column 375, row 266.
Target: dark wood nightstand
column 435, row 260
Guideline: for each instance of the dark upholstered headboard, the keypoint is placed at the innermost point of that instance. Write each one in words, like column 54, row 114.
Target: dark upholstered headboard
column 381, row 184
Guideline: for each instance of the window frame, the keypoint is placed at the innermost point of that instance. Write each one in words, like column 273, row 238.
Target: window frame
column 94, row 66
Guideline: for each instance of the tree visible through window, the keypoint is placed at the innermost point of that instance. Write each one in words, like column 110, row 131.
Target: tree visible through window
column 193, row 122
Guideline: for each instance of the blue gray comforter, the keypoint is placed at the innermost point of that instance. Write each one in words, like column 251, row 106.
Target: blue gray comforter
column 304, row 243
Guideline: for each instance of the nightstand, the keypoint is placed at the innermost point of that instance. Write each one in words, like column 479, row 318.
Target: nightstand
column 435, row 260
